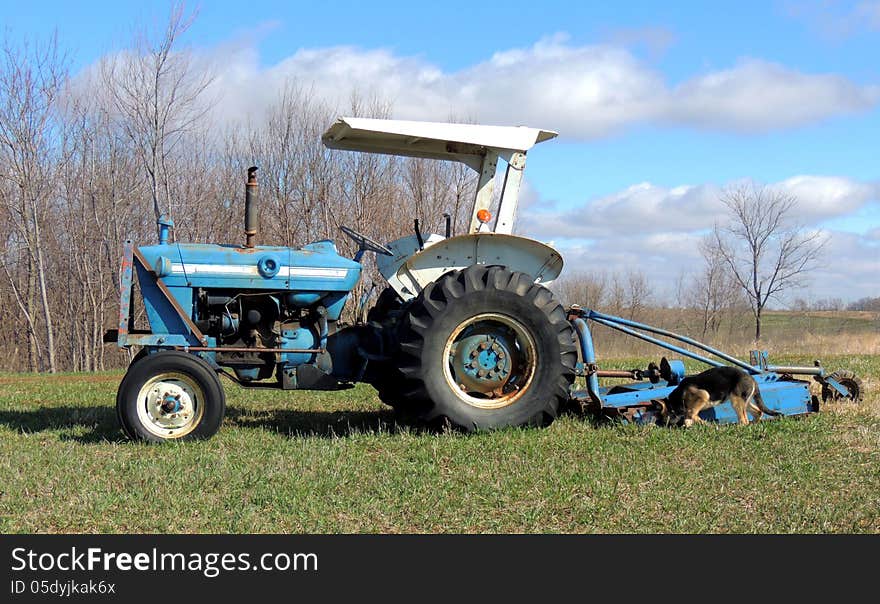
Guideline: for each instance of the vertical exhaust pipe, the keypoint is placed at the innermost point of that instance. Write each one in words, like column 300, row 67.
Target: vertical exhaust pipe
column 251, row 209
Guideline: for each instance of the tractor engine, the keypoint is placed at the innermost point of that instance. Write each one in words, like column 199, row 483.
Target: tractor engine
column 244, row 324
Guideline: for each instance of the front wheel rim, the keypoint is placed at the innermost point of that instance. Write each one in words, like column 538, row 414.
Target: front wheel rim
column 170, row 405
column 490, row 360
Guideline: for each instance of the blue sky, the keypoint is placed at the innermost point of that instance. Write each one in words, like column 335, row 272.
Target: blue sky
column 649, row 97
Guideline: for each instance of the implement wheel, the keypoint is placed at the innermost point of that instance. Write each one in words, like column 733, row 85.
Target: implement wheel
column 848, row 380
column 170, row 395
column 485, row 348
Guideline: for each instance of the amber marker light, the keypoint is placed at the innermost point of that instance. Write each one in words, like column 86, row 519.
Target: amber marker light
column 484, row 216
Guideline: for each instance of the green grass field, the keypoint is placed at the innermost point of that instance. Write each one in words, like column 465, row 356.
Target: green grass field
column 337, row 462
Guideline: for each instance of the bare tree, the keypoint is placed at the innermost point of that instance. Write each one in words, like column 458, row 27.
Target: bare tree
column 158, row 93
column 581, row 287
column 31, row 80
column 714, row 291
column 638, row 294
column 766, row 252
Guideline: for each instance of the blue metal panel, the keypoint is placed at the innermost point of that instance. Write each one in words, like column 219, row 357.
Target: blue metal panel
column 334, row 304
column 641, row 393
column 302, row 339
column 162, row 316
column 318, row 269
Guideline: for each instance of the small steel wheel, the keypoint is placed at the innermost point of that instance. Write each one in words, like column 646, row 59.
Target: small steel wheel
column 848, row 380
column 170, row 396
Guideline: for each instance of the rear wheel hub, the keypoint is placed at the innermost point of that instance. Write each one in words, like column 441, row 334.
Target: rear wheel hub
column 491, row 360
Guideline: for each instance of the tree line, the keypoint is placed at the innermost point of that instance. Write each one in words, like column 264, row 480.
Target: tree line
column 90, row 161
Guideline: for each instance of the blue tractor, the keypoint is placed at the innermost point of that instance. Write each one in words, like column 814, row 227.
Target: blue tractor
column 466, row 331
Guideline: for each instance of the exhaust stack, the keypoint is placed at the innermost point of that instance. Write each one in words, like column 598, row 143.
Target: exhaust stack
column 251, row 208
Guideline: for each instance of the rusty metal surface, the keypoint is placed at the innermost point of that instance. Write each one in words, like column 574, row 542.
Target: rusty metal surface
column 253, row 350
column 795, row 370
column 125, row 283
column 251, row 209
column 617, row 373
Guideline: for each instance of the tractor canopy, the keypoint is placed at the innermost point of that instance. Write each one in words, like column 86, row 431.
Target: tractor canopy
column 477, row 146
column 466, row 143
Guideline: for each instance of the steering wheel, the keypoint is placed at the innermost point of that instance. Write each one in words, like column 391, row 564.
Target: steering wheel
column 365, row 244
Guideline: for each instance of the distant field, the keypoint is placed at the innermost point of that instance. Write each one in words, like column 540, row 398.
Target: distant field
column 337, row 462
column 783, row 332
column 788, row 324
column 822, row 332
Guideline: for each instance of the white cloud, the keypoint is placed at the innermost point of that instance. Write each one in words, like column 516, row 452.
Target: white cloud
column 822, row 197
column 585, row 92
column 837, row 20
column 652, row 208
column 758, row 96
column 658, row 229
column 850, row 268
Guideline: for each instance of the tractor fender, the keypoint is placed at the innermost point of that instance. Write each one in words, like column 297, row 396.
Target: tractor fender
column 410, row 270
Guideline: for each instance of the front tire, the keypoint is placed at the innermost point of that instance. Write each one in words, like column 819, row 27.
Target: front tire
column 170, row 395
column 486, row 348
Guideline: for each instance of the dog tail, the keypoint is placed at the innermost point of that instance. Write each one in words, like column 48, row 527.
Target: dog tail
column 758, row 402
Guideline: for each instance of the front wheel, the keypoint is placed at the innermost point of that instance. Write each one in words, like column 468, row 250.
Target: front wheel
column 485, row 348
column 170, row 396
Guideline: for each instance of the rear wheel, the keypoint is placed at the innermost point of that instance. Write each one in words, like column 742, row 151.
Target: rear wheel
column 848, row 380
column 484, row 348
column 384, row 375
column 170, row 396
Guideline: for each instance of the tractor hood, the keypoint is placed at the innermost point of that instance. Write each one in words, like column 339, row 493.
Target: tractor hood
column 314, row 267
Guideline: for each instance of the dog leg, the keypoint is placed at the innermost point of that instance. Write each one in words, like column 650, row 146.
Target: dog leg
column 757, row 414
column 695, row 401
column 740, row 406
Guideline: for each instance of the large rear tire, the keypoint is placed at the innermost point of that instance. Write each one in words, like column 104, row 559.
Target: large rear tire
column 486, row 348
column 384, row 375
column 170, row 395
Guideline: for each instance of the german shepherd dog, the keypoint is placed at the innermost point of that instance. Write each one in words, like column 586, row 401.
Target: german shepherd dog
column 713, row 387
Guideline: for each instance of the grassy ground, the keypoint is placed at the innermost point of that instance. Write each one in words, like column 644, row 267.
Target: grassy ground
column 336, row 462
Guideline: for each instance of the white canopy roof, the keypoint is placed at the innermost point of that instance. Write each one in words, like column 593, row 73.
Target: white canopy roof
column 466, row 143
